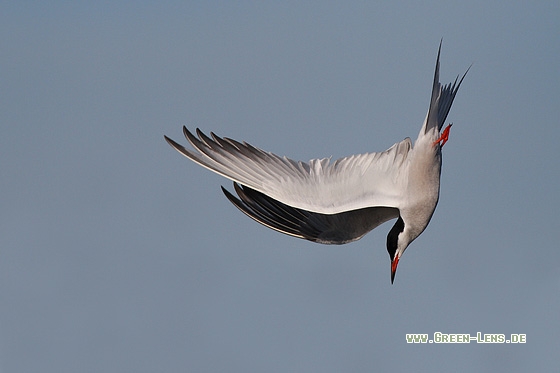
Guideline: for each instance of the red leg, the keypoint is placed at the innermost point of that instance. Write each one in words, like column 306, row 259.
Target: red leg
column 444, row 136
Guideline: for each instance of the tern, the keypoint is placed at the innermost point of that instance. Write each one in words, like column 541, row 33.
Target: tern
column 337, row 202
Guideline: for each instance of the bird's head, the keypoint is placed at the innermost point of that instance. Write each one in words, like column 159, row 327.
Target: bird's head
column 397, row 242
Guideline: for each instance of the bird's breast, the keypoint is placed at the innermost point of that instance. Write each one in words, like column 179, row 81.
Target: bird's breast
column 422, row 188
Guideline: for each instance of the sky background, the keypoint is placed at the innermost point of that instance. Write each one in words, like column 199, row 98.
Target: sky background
column 119, row 255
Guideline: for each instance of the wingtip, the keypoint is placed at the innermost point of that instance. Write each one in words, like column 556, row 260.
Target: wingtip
column 230, row 195
column 186, row 132
column 172, row 142
column 227, row 193
column 199, row 133
column 181, row 149
column 235, row 201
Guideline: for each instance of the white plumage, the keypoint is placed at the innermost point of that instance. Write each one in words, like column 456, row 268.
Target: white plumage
column 337, row 202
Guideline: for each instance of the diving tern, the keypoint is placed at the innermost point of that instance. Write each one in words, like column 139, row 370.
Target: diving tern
column 337, row 202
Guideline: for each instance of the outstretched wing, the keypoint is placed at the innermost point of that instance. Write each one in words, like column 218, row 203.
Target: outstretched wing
column 321, row 186
column 322, row 228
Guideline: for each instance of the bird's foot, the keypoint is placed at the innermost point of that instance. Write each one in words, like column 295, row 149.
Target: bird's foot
column 444, row 136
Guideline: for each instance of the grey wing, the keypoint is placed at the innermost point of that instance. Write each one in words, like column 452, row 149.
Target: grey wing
column 351, row 183
column 322, row 228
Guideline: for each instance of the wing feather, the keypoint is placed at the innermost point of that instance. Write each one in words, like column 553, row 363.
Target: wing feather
column 322, row 228
column 321, row 186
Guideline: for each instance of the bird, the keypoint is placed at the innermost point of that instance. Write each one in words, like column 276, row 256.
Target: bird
column 337, row 202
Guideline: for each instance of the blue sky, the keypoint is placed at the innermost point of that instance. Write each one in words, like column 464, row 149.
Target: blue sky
column 117, row 254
